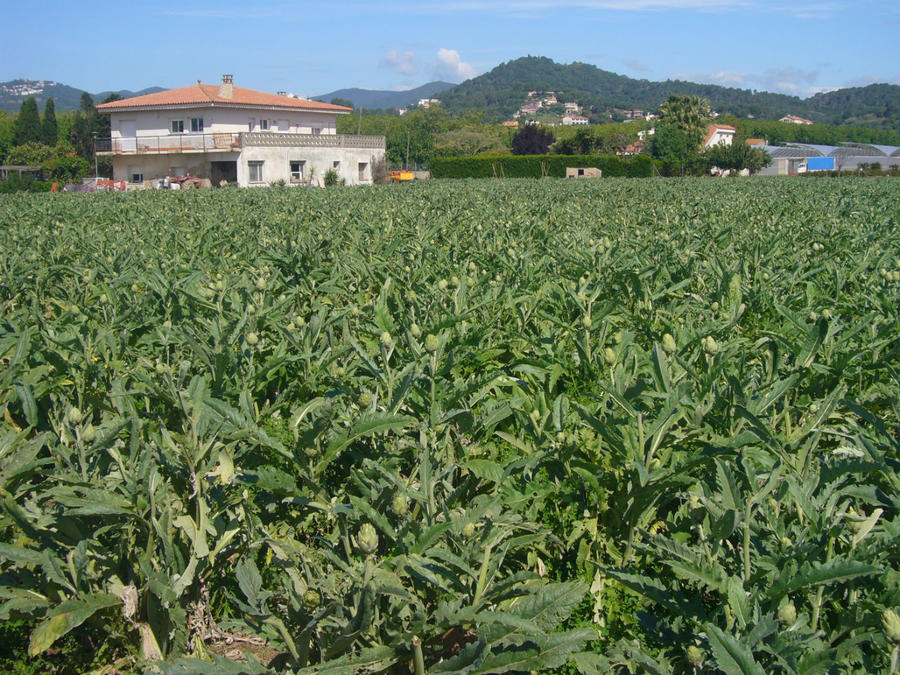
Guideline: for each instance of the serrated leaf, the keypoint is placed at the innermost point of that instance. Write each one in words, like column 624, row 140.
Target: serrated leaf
column 834, row 571
column 731, row 656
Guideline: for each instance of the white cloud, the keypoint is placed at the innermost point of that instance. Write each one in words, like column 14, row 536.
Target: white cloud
column 403, row 63
column 450, row 66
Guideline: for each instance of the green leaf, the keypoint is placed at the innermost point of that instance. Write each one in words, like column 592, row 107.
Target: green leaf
column 834, row 571
column 63, row 618
column 731, row 656
column 367, row 426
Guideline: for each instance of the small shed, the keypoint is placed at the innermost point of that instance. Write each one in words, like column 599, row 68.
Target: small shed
column 583, row 172
column 7, row 169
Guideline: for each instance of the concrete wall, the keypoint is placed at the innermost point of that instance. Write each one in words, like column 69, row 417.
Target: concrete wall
column 221, row 120
column 276, row 163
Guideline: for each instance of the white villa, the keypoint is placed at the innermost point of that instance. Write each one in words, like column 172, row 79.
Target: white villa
column 719, row 134
column 228, row 133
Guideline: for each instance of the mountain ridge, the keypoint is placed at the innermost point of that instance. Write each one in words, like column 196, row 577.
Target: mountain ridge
column 386, row 98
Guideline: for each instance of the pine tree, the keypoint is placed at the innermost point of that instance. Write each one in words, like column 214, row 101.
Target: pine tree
column 49, row 128
column 28, row 123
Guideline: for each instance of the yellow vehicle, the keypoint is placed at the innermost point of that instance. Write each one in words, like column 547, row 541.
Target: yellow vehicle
column 401, row 177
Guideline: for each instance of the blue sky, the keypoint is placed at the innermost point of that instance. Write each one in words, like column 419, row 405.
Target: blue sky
column 798, row 47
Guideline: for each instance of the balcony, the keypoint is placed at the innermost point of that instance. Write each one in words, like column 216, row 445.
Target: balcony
column 168, row 144
column 228, row 142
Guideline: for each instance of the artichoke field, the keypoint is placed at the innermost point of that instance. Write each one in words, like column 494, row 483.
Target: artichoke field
column 469, row 427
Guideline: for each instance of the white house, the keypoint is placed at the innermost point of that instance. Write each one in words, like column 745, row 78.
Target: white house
column 719, row 134
column 574, row 120
column 233, row 134
column 793, row 119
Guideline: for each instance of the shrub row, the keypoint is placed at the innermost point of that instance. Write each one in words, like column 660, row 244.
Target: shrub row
column 536, row 166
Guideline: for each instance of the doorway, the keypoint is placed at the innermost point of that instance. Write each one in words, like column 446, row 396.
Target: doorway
column 219, row 171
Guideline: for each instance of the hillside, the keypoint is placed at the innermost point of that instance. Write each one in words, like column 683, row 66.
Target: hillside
column 502, row 90
column 377, row 98
column 13, row 92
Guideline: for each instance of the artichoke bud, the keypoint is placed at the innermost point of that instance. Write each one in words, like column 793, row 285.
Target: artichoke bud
column 386, row 340
column 367, row 539
column 468, row 530
column 787, row 614
column 75, row 415
column 431, row 342
column 415, row 331
column 365, row 399
column 609, row 356
column 311, row 599
column 890, row 622
column 252, row 339
column 668, row 344
column 535, row 416
column 399, row 505
column 89, row 433
column 586, row 321
column 694, row 656
column 261, row 284
column 710, row 346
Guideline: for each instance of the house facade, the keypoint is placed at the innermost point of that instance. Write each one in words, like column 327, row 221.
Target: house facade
column 719, row 134
column 234, row 135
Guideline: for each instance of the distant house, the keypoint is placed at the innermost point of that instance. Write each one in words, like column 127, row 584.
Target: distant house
column 530, row 108
column 572, row 107
column 574, row 121
column 793, row 119
column 550, row 99
column 756, row 142
column 428, row 102
column 719, row 134
column 232, row 134
column 509, row 123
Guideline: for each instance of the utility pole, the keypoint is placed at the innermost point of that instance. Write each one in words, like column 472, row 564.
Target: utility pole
column 95, row 156
column 359, row 127
column 407, row 152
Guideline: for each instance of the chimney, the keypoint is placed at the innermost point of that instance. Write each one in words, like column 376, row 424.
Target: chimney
column 282, row 93
column 226, row 89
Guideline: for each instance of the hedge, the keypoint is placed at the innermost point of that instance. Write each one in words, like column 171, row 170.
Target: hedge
column 536, row 166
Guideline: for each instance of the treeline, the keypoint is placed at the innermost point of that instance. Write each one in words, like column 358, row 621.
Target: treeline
column 62, row 145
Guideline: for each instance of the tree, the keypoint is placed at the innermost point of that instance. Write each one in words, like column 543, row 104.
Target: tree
column 736, row 157
column 28, row 123
column 31, row 153
column 49, row 127
column 690, row 114
column 532, row 140
column 342, row 101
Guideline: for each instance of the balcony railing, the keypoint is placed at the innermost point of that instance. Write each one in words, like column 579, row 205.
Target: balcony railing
column 274, row 139
column 171, row 143
column 228, row 142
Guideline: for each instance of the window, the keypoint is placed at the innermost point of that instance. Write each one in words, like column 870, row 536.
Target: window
column 336, row 165
column 264, row 125
column 315, row 131
column 297, row 167
column 255, row 169
column 363, row 166
column 197, row 125
column 136, row 176
column 177, row 126
column 251, row 124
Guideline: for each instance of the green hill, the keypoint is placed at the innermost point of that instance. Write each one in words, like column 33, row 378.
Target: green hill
column 501, row 91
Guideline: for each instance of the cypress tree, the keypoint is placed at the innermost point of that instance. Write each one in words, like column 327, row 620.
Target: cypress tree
column 49, row 128
column 28, row 123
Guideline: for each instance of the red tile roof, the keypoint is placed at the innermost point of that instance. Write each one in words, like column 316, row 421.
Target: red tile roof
column 208, row 94
column 713, row 128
